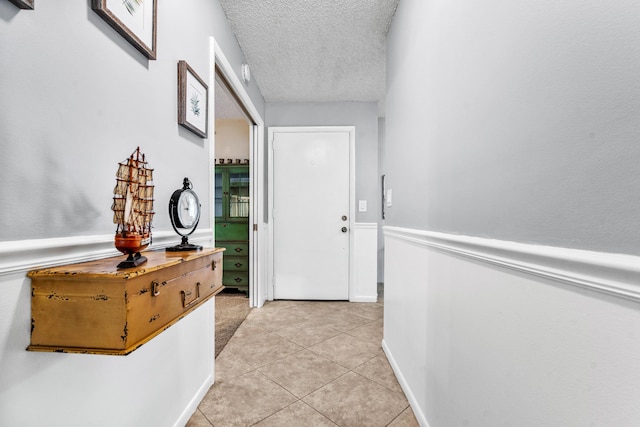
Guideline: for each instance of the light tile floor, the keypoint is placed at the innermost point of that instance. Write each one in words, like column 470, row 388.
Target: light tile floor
column 306, row 363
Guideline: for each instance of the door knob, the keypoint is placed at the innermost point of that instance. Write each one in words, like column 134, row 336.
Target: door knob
column 344, row 229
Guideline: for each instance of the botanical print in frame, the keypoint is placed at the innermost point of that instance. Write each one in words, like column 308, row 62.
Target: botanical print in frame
column 23, row 4
column 193, row 100
column 135, row 20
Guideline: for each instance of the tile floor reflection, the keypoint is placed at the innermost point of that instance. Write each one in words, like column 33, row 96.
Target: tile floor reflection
column 306, row 363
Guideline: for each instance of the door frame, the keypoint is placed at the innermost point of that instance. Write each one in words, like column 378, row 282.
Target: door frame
column 352, row 195
column 257, row 226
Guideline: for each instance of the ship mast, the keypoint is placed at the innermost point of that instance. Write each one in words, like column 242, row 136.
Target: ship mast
column 133, row 195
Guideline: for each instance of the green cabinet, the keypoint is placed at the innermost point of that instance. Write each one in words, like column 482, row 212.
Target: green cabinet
column 232, row 223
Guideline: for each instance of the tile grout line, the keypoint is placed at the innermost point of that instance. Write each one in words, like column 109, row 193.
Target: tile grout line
column 346, row 332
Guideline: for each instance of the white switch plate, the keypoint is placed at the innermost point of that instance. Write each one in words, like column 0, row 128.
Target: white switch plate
column 389, row 198
column 362, row 205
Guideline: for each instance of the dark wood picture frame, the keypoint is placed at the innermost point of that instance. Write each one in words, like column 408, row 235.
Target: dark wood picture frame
column 23, row 4
column 111, row 12
column 191, row 90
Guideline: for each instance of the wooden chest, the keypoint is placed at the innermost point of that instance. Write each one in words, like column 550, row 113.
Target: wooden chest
column 93, row 307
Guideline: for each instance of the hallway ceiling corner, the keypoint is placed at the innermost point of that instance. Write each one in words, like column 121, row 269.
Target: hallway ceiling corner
column 314, row 51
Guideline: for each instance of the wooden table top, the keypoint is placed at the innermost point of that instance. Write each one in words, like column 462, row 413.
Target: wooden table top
column 156, row 259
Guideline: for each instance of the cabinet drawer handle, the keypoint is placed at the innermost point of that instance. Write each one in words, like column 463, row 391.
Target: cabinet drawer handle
column 238, row 279
column 213, row 264
column 238, row 249
column 155, row 287
column 185, row 294
column 238, row 264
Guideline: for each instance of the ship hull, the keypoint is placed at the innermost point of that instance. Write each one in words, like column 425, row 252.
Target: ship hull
column 132, row 243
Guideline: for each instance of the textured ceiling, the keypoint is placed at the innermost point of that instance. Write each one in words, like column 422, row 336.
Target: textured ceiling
column 314, row 50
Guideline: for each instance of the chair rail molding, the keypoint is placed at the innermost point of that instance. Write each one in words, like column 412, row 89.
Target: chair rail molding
column 611, row 273
column 24, row 255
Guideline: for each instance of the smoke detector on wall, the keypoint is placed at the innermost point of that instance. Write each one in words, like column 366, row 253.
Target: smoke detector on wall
column 246, row 73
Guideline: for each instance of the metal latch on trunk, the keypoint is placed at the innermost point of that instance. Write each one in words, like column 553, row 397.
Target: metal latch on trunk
column 155, row 288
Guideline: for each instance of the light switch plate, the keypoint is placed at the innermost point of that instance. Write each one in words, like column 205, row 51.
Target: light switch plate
column 362, row 206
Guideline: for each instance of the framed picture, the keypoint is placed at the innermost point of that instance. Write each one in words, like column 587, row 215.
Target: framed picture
column 193, row 100
column 23, row 4
column 135, row 20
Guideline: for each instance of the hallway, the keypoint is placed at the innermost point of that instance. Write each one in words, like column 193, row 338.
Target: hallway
column 301, row 363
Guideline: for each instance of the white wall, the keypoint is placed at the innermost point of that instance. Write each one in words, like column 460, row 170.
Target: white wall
column 476, row 339
column 76, row 98
column 515, row 122
column 232, row 139
column 159, row 384
column 364, row 116
column 363, row 286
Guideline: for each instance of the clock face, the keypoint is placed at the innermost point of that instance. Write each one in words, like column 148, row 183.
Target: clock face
column 187, row 209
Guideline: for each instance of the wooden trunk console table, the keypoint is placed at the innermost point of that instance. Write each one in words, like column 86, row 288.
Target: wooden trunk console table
column 93, row 307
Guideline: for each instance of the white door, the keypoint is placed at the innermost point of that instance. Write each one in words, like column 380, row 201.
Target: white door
column 311, row 213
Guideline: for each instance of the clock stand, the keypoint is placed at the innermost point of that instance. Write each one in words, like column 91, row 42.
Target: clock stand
column 184, row 212
column 184, row 246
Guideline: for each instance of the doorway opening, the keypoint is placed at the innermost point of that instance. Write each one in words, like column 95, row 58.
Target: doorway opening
column 232, row 200
column 234, row 130
column 236, row 171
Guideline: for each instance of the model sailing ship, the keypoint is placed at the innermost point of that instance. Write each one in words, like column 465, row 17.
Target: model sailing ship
column 133, row 208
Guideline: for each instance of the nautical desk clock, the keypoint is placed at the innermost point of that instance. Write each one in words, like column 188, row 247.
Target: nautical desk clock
column 184, row 211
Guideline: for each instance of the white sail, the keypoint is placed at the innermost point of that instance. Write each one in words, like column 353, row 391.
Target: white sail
column 128, row 205
column 133, row 195
column 121, row 187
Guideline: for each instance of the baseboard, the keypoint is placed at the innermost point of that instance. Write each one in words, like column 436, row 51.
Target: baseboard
column 363, row 299
column 610, row 273
column 193, row 404
column 415, row 407
column 24, row 255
